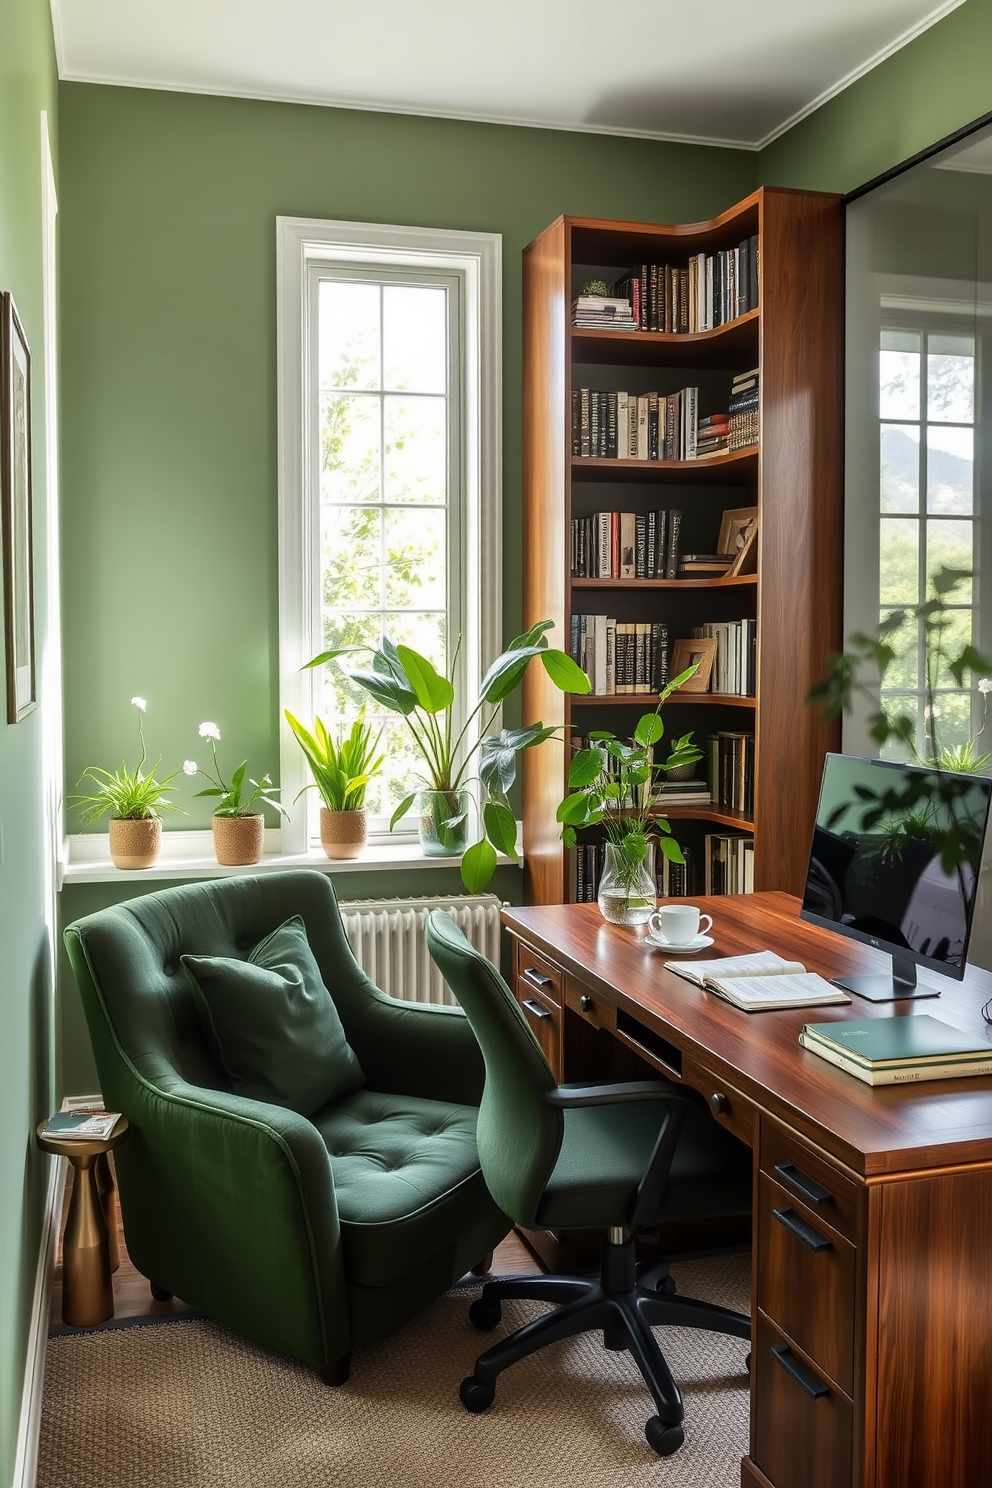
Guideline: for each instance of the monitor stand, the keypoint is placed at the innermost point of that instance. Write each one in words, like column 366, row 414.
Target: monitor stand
column 885, row 986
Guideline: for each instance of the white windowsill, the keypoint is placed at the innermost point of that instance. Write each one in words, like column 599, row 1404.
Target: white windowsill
column 186, row 855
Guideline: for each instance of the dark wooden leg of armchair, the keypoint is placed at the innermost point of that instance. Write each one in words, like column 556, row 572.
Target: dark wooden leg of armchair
column 337, row 1373
column 159, row 1293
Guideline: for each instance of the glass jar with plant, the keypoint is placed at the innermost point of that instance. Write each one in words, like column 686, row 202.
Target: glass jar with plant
column 403, row 681
column 341, row 770
column 611, row 785
column 237, row 823
column 133, row 800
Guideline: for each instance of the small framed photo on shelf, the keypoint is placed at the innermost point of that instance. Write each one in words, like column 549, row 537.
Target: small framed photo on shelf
column 746, row 559
column 15, row 497
column 739, row 523
column 700, row 653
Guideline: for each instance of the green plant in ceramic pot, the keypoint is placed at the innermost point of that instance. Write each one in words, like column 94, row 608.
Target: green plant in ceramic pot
column 341, row 770
column 611, row 785
column 237, row 823
column 404, row 682
column 133, row 800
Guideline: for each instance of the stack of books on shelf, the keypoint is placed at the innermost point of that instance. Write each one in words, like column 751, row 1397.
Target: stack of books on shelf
column 586, row 864
column 626, row 545
column 603, row 313
column 742, row 410
column 899, row 1051
column 634, row 426
column 704, row 565
column 735, row 667
column 681, row 793
column 675, row 880
column 730, row 770
column 620, row 656
column 709, row 291
column 728, row 860
column 713, row 436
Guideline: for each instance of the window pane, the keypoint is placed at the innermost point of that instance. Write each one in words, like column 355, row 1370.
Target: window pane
column 352, row 548
column 950, row 470
column 350, row 436
column 416, row 456
column 952, row 724
column 348, row 348
column 951, row 379
column 334, row 696
column 899, row 375
column 416, row 559
column 426, row 633
column 900, row 477
column 903, row 671
column 900, row 705
column 415, row 339
column 955, row 635
column 899, row 562
column 949, row 545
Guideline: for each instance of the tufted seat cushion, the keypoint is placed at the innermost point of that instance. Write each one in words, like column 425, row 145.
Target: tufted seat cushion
column 407, row 1178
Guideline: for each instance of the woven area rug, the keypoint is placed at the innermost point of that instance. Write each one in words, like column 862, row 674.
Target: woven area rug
column 188, row 1404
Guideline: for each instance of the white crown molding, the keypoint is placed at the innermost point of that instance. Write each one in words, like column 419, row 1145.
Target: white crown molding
column 861, row 71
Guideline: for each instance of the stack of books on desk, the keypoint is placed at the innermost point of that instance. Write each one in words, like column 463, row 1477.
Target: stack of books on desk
column 899, row 1051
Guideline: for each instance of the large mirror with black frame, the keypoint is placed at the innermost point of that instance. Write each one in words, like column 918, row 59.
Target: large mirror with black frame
column 919, row 440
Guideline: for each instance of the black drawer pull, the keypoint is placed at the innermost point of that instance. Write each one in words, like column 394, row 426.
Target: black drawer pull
column 803, row 1183
column 810, row 1382
column 537, row 977
column 535, row 1009
column 802, row 1231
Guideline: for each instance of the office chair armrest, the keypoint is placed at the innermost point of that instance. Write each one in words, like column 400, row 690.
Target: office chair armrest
column 567, row 1097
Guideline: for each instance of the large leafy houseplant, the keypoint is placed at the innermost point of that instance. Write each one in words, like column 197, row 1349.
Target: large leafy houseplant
column 611, row 785
column 342, row 767
column 404, row 682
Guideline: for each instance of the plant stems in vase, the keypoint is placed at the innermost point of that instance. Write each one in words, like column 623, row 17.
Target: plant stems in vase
column 627, row 890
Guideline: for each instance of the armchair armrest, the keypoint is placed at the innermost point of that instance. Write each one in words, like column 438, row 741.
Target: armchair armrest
column 417, row 1048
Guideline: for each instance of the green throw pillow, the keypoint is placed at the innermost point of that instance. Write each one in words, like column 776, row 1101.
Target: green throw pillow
column 272, row 1023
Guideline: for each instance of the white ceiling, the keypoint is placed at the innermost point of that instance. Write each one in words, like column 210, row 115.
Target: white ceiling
column 732, row 72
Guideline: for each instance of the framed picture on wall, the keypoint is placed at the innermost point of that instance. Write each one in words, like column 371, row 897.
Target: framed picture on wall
column 15, row 493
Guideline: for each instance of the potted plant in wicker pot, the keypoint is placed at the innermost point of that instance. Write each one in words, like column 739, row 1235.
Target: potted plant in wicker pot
column 133, row 800
column 238, row 824
column 341, row 770
column 403, row 681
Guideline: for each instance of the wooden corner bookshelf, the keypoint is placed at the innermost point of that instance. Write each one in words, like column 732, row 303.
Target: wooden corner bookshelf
column 792, row 474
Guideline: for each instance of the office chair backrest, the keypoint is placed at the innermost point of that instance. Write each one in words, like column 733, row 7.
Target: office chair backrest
column 519, row 1133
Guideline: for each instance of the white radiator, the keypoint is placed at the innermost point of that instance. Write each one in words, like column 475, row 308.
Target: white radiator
column 387, row 937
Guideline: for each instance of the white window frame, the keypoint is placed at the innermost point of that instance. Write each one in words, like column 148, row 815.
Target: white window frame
column 477, row 259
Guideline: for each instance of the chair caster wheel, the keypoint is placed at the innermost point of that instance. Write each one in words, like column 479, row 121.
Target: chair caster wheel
column 663, row 1439
column 747, row 1362
column 484, row 1314
column 476, row 1395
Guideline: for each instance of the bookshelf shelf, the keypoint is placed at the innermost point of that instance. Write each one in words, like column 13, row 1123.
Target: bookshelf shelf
column 794, row 338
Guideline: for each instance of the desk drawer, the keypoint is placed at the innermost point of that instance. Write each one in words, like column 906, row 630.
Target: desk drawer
column 806, row 1280
column 595, row 1010
column 810, row 1179
column 803, row 1425
column 727, row 1105
column 536, row 973
column 544, row 1020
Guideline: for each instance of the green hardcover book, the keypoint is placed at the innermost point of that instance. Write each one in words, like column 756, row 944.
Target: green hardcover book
column 918, row 1038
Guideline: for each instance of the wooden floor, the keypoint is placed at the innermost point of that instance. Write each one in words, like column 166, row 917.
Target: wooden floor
column 132, row 1297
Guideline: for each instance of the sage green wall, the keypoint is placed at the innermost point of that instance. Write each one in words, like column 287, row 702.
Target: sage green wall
column 27, row 86
column 939, row 83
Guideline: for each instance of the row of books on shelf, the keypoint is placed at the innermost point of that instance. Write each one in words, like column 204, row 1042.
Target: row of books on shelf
column 622, row 425
column 709, row 290
column 727, row 868
column 743, row 411
column 626, row 545
column 730, row 770
column 673, row 880
column 728, row 861
column 735, row 665
column 620, row 656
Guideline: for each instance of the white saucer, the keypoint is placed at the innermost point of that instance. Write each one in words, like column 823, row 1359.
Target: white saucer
column 699, row 944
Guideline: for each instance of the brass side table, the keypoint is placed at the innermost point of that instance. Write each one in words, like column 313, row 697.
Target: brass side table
column 90, row 1228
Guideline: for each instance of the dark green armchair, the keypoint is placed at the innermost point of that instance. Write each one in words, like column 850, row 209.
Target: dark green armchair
column 311, row 1187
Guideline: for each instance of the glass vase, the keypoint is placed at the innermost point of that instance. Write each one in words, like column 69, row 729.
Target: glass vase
column 627, row 893
column 435, row 809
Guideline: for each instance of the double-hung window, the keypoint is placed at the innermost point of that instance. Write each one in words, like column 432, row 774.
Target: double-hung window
column 389, row 473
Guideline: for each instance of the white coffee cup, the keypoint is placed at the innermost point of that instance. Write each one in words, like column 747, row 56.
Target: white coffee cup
column 679, row 924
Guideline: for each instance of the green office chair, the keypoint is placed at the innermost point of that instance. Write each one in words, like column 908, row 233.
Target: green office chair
column 301, row 1160
column 616, row 1157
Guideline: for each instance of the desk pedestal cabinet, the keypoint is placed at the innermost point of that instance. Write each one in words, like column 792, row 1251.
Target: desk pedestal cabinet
column 872, row 1231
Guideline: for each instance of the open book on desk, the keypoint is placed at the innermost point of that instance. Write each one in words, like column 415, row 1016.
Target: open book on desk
column 759, row 982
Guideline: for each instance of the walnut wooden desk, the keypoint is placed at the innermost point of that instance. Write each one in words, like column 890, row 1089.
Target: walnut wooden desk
column 872, row 1232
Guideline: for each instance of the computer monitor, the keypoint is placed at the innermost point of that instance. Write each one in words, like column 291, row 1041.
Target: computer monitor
column 894, row 863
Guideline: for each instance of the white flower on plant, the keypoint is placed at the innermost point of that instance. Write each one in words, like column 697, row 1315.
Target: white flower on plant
column 190, row 767
column 931, row 711
column 140, row 703
column 985, row 685
column 209, row 731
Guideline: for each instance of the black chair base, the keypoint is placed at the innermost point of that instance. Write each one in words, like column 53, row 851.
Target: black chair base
column 625, row 1304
